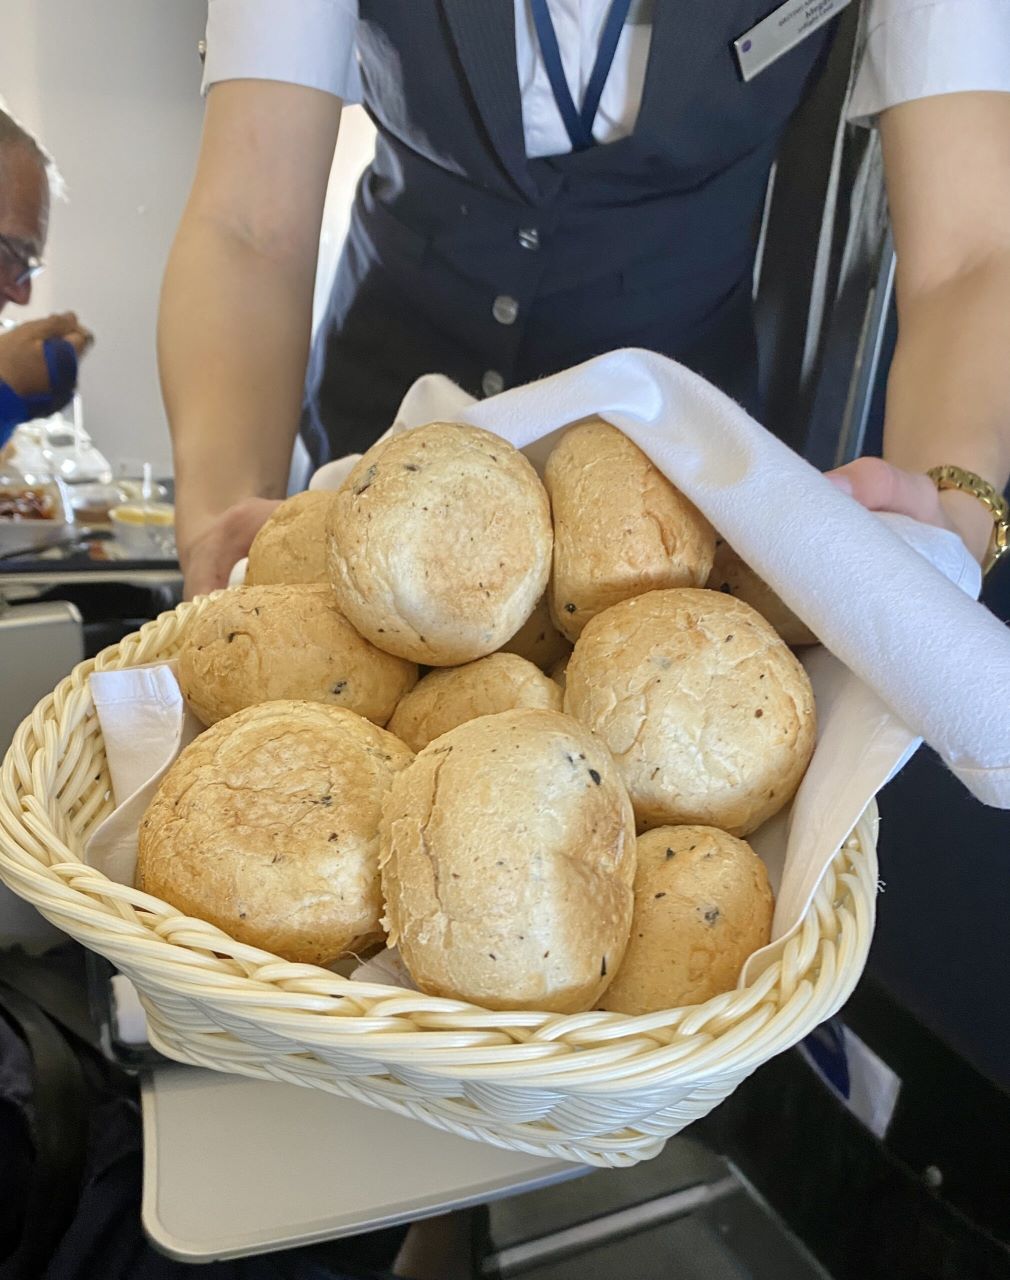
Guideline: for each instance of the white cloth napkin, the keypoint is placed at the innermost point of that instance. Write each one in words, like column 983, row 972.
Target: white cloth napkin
column 145, row 724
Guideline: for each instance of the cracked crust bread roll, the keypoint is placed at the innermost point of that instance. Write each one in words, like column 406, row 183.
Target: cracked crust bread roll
column 620, row 527
column 735, row 577
column 508, row 856
column 440, row 544
column 703, row 905
column 538, row 640
column 267, row 826
column 258, row 644
column 448, row 698
column 291, row 546
column 706, row 710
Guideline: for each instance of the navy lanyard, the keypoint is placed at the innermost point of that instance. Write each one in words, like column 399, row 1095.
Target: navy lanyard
column 579, row 124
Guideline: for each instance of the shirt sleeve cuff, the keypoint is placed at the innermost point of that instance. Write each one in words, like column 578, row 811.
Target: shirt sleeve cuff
column 929, row 48
column 13, row 411
column 311, row 43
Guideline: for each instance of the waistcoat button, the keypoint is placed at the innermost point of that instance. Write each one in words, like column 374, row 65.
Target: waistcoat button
column 505, row 309
column 492, row 382
column 529, row 237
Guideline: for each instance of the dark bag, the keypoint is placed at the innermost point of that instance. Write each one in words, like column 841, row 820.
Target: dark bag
column 71, row 1152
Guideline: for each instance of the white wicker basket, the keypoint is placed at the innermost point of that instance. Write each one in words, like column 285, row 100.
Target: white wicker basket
column 601, row 1088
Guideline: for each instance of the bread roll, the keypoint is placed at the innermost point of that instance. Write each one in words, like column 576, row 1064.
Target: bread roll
column 291, row 546
column 703, row 905
column 708, row 714
column 257, row 644
column 507, row 864
column 538, row 640
column 440, row 544
column 736, row 578
column 267, row 826
column 445, row 699
column 620, row 527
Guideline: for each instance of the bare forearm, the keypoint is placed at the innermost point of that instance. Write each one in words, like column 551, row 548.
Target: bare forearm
column 233, row 340
column 949, row 389
column 236, row 311
column 948, row 177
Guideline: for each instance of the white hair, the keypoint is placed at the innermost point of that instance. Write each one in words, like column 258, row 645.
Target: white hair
column 14, row 134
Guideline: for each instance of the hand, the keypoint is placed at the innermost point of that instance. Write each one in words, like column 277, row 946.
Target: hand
column 879, row 486
column 22, row 361
column 209, row 557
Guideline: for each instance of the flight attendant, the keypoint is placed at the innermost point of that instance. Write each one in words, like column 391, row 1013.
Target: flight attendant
column 554, row 179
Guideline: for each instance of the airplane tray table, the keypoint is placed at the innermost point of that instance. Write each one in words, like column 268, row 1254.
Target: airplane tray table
column 55, row 568
column 234, row 1166
column 87, row 553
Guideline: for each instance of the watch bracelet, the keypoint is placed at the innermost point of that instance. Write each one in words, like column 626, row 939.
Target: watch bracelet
column 950, row 476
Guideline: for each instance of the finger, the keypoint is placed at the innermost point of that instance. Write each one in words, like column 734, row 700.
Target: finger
column 80, row 340
column 879, row 486
column 208, row 569
column 49, row 326
column 216, row 552
column 244, row 521
column 199, row 582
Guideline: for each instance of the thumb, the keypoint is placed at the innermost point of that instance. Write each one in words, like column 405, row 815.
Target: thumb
column 879, row 486
column 80, row 339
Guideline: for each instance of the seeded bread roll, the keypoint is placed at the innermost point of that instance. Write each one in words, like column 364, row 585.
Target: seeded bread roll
column 267, row 826
column 735, row 577
column 703, row 905
column 291, row 546
column 257, row 644
column 538, row 640
column 620, row 527
column 445, row 699
column 508, row 855
column 706, row 710
column 440, row 544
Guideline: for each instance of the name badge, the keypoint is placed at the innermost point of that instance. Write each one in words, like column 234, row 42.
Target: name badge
column 781, row 31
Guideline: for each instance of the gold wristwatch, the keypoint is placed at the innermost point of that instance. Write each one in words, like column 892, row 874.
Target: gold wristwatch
column 950, row 477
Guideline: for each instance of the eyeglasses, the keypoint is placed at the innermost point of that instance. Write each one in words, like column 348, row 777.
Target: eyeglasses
column 28, row 265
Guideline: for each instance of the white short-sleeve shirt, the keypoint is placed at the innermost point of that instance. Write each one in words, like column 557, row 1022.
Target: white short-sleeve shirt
column 914, row 49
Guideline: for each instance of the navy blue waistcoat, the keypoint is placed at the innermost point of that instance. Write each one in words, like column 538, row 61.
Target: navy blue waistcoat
column 466, row 258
